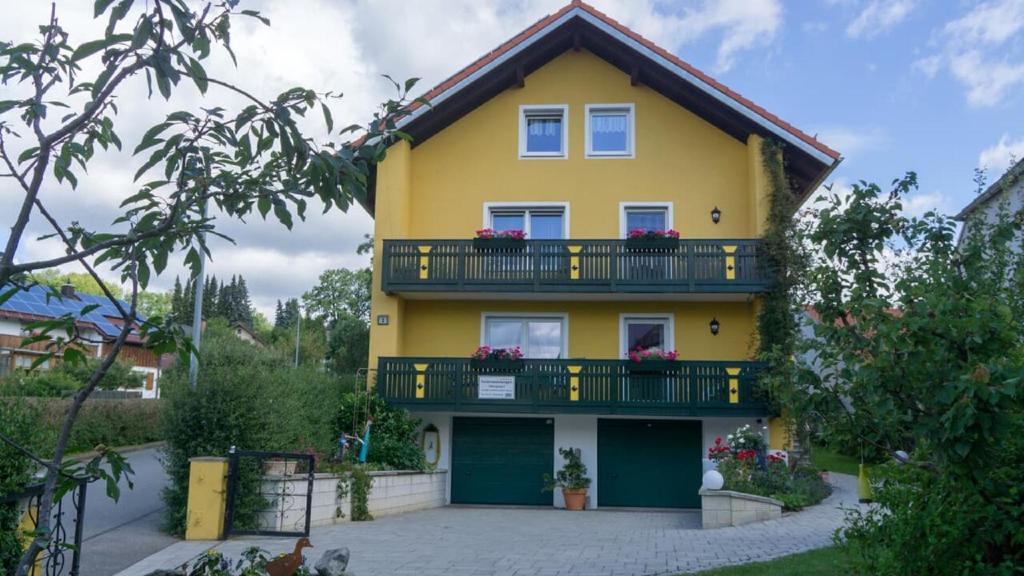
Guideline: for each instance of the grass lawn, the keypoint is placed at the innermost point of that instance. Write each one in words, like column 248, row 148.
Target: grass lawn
column 832, row 461
column 822, row 562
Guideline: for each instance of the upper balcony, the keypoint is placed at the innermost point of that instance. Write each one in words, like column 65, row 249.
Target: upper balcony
column 679, row 267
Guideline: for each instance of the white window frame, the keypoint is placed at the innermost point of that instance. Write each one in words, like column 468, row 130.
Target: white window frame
column 630, row 110
column 524, row 111
column 624, row 206
column 524, row 316
column 670, row 329
column 492, row 207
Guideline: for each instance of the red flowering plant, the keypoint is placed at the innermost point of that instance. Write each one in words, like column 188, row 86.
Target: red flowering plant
column 719, row 451
column 639, row 354
column 636, row 233
column 488, row 353
column 491, row 233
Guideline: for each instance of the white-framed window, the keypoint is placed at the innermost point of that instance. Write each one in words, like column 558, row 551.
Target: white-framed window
column 646, row 331
column 544, row 131
column 24, row 362
column 540, row 221
column 536, row 335
column 644, row 215
column 610, row 131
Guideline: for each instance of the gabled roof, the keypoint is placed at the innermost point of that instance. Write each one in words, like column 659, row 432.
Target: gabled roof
column 37, row 303
column 579, row 25
column 1010, row 177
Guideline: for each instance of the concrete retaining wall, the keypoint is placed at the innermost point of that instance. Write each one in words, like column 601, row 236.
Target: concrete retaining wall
column 721, row 508
column 393, row 492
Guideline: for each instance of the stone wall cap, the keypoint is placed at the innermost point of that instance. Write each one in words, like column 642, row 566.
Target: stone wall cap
column 741, row 496
column 208, row 459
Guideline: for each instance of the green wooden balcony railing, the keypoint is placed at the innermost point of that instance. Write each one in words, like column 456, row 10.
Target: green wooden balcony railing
column 573, row 266
column 688, row 388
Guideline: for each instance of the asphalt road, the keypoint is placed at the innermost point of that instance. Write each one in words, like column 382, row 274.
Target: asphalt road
column 118, row 534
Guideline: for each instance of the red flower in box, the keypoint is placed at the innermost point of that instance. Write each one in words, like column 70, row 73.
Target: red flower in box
column 488, row 353
column 491, row 233
column 646, row 354
column 647, row 233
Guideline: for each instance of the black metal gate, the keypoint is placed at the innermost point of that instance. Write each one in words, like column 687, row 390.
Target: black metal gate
column 269, row 493
column 54, row 560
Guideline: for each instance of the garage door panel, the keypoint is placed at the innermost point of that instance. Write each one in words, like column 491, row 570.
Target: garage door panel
column 649, row 463
column 501, row 460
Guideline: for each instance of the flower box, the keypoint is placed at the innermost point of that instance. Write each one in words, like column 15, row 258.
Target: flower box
column 652, row 366
column 499, row 244
column 497, row 364
column 658, row 244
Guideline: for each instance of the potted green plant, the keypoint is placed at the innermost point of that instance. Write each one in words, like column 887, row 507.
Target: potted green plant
column 572, row 479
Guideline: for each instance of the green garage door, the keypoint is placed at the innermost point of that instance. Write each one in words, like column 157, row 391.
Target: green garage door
column 502, row 460
column 649, row 463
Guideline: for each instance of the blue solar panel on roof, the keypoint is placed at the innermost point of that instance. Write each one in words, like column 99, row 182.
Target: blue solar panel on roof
column 40, row 301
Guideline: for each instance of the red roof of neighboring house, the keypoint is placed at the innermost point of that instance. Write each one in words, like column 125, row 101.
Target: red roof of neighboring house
column 543, row 22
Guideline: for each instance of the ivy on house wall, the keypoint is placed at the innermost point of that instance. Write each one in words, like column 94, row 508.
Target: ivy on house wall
column 776, row 323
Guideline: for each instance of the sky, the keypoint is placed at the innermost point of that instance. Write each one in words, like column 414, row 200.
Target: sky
column 935, row 86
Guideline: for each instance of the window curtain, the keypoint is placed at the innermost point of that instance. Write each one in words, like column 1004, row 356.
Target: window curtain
column 544, row 126
column 608, row 124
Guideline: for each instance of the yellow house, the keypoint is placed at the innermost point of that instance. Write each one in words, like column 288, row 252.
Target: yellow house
column 593, row 142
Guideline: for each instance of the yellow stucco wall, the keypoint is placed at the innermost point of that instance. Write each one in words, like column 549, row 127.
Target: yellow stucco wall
column 452, row 328
column 438, row 190
column 680, row 158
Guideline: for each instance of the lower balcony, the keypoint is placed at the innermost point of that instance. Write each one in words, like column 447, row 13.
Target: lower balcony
column 687, row 388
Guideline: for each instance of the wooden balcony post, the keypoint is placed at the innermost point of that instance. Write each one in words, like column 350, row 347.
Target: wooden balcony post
column 421, row 380
column 734, row 385
column 574, row 383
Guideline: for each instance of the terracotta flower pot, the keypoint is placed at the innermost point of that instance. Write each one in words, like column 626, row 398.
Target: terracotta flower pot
column 574, row 499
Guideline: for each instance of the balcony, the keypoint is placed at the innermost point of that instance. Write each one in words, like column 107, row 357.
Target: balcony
column 573, row 266
column 572, row 386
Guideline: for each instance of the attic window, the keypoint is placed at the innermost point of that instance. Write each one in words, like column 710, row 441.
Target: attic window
column 610, row 131
column 543, row 131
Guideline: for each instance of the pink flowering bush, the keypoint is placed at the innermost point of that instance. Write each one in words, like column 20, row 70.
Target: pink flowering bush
column 647, row 233
column 491, row 233
column 488, row 353
column 648, row 354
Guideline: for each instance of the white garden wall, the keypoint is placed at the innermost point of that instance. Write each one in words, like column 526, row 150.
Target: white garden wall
column 393, row 492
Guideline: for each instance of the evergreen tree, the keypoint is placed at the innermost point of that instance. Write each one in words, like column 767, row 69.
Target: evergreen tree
column 279, row 315
column 177, row 307
column 224, row 301
column 242, row 303
column 210, row 298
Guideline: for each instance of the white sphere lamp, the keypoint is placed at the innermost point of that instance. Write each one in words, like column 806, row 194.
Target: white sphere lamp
column 713, row 480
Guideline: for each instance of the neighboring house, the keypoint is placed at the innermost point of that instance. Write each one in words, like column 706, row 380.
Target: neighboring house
column 576, row 131
column 247, row 334
column 1006, row 193
column 98, row 328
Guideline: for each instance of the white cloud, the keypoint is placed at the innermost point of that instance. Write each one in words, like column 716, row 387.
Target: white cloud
column 981, row 51
column 852, row 141
column 343, row 47
column 879, row 16
column 997, row 158
column 919, row 203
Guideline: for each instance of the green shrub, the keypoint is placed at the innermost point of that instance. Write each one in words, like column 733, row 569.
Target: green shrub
column 19, row 421
column 394, row 442
column 248, row 397
column 66, row 378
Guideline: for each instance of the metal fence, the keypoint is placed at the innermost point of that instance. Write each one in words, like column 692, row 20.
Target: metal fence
column 62, row 555
column 269, row 493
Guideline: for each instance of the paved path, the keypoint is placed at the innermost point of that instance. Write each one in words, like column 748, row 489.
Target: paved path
column 458, row 541
column 118, row 534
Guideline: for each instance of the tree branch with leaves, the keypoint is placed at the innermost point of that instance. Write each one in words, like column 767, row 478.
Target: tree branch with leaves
column 236, row 162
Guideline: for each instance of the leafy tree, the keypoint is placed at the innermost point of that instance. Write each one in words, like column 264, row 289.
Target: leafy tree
column 340, row 292
column 348, row 348
column 919, row 354
column 82, row 282
column 53, row 118
column 155, row 303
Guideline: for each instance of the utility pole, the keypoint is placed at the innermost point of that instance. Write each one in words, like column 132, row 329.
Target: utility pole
column 298, row 326
column 197, row 312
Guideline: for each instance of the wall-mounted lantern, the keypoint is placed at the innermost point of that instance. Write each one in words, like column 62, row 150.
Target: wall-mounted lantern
column 716, row 214
column 714, row 326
